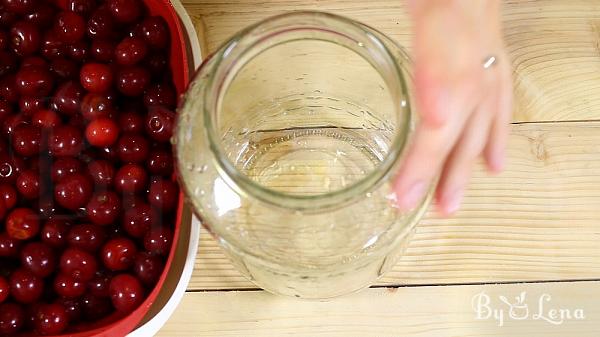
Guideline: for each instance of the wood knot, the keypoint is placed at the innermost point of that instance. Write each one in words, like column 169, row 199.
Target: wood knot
column 538, row 147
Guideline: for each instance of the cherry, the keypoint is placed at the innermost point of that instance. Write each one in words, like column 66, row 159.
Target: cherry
column 26, row 140
column 72, row 307
column 25, row 287
column 7, row 17
column 51, row 319
column 54, row 233
column 94, row 307
column 20, row 6
column 10, row 167
column 8, row 89
column 38, row 258
column 133, row 148
column 126, row 292
column 64, row 68
column 22, row 223
column 66, row 140
column 67, row 286
column 67, row 98
column 11, row 122
column 51, row 46
column 163, row 194
column 130, row 51
column 33, row 61
column 98, row 286
column 78, row 263
column 87, row 237
column 81, row 7
column 160, row 94
column 34, row 81
column 132, row 200
column 4, row 289
column 102, row 172
column 74, row 191
column 42, row 15
column 159, row 123
column 9, row 247
column 156, row 63
column 45, row 119
column 101, row 24
column 102, row 132
column 155, row 31
column 30, row 104
column 132, row 80
column 8, row 62
column 131, row 122
column 12, row 318
column 96, row 77
column 109, row 153
column 118, row 253
column 46, row 207
column 102, row 50
column 148, row 268
column 5, row 109
column 28, row 184
column 64, row 166
column 125, row 10
column 131, row 178
column 69, row 27
column 158, row 240
column 78, row 51
column 104, row 208
column 160, row 162
column 25, row 38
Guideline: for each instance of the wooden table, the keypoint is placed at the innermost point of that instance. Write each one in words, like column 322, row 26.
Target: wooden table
column 533, row 230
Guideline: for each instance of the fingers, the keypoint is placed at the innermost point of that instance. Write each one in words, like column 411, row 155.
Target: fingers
column 495, row 151
column 459, row 165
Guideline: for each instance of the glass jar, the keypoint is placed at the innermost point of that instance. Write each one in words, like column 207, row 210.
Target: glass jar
column 287, row 142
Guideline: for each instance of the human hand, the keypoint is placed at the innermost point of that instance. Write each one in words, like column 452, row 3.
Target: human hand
column 464, row 108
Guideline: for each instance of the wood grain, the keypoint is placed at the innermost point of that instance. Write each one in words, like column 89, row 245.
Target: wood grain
column 412, row 311
column 536, row 221
column 554, row 45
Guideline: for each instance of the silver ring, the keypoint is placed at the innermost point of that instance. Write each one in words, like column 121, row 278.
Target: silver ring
column 489, row 62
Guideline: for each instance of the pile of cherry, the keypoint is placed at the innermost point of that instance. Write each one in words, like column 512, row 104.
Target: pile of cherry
column 87, row 200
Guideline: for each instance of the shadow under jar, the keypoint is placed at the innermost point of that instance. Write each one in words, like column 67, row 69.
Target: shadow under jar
column 287, row 142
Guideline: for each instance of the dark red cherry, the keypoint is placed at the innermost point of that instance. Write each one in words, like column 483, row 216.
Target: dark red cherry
column 28, row 105
column 95, row 308
column 64, row 68
column 51, row 319
column 130, row 51
column 81, row 7
column 102, row 132
column 12, row 318
column 102, row 50
column 160, row 162
column 72, row 307
column 160, row 94
column 8, row 62
column 132, row 81
column 10, row 167
column 67, row 286
column 163, row 195
column 104, row 208
column 9, row 247
column 78, row 263
column 67, row 98
column 159, row 123
column 54, row 232
column 65, row 166
column 87, row 237
column 26, row 140
column 51, row 46
column 155, row 31
column 131, row 178
column 25, row 287
column 78, row 51
column 45, row 119
column 28, row 184
column 20, row 6
column 133, row 148
column 158, row 240
column 148, row 268
column 131, row 122
column 69, row 27
column 96, row 77
column 73, row 191
column 125, row 11
column 42, row 15
column 102, row 172
column 126, row 292
column 118, row 253
column 34, row 81
column 8, row 194
column 101, row 24
column 39, row 258
column 8, row 88
column 25, row 38
column 65, row 140
column 98, row 286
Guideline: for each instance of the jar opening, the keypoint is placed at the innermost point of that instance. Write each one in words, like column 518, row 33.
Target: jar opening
column 307, row 111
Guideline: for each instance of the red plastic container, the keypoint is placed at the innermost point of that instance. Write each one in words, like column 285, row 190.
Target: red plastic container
column 116, row 324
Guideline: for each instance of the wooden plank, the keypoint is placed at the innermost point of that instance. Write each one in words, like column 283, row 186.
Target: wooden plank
column 536, row 221
column 554, row 45
column 410, row 311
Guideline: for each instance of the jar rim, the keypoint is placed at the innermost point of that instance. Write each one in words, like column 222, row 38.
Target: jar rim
column 227, row 57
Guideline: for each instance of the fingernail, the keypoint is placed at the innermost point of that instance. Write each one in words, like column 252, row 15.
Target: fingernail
column 451, row 203
column 413, row 195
